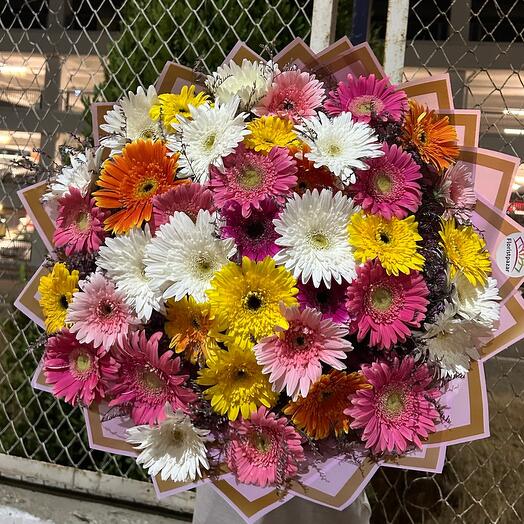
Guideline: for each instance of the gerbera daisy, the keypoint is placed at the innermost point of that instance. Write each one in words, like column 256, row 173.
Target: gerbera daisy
column 384, row 306
column 477, row 303
column 268, row 132
column 293, row 95
column 186, row 198
column 311, row 177
column 129, row 181
column 169, row 106
column 184, row 255
column 456, row 188
column 293, row 357
column 129, row 120
column 249, row 81
column 79, row 373
column 393, row 242
column 56, row 293
column 249, row 177
column 264, row 450
column 122, row 258
column 235, row 383
column 400, row 408
column 209, row 135
column 331, row 302
column 188, row 324
column 452, row 342
column 340, row 144
column 390, row 186
column 313, row 237
column 175, row 448
column 321, row 413
column 367, row 97
column 79, row 174
column 79, row 226
column 246, row 299
column 149, row 380
column 430, row 135
column 255, row 235
column 466, row 252
column 99, row 313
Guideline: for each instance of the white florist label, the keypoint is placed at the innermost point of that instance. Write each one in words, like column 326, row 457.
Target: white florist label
column 510, row 255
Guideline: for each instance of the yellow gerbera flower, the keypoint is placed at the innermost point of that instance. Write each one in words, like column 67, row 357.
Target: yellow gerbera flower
column 171, row 105
column 466, row 252
column 393, row 242
column 268, row 132
column 237, row 384
column 56, row 293
column 187, row 324
column 245, row 300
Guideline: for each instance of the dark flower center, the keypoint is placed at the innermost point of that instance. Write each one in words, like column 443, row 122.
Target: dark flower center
column 63, row 302
column 262, row 442
column 323, row 297
column 384, row 238
column 288, row 104
column 300, row 340
column 253, row 301
column 151, row 381
column 105, row 309
column 254, row 229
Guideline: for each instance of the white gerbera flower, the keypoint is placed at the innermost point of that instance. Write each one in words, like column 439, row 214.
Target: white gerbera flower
column 314, row 239
column 249, row 81
column 452, row 342
column 183, row 256
column 175, row 448
column 79, row 174
column 477, row 303
column 209, row 135
column 123, row 259
column 129, row 120
column 340, row 144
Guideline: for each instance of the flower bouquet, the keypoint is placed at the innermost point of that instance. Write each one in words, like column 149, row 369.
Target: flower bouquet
column 279, row 277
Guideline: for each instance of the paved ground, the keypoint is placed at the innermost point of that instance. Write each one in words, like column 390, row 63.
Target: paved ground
column 24, row 506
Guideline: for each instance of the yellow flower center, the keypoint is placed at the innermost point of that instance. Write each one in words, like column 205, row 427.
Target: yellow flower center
column 334, row 150
column 152, row 381
column 209, row 142
column 383, row 183
column 261, row 442
column 250, row 178
column 83, row 362
column 381, row 298
column 82, row 221
column 319, row 240
column 146, row 187
column 394, row 403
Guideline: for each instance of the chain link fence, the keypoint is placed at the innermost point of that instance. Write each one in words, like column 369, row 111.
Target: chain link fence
column 56, row 56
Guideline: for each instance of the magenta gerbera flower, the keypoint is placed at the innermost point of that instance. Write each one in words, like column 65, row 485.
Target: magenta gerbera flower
column 367, row 97
column 187, row 198
column 254, row 235
column 80, row 373
column 389, row 187
column 148, row 381
column 384, row 305
column 264, row 450
column 400, row 409
column 457, row 190
column 293, row 357
column 293, row 94
column 98, row 313
column 249, row 178
column 330, row 302
column 80, row 224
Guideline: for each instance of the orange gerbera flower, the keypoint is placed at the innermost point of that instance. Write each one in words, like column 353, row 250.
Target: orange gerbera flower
column 321, row 413
column 129, row 182
column 431, row 135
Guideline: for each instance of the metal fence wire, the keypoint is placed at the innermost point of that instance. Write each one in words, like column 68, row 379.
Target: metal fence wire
column 57, row 55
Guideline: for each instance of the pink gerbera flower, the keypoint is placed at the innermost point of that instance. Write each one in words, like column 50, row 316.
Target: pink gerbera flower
column 80, row 224
column 148, row 381
column 99, row 313
column 187, row 198
column 330, row 302
column 249, row 178
column 367, row 97
column 389, row 187
column 80, row 373
column 294, row 95
column 384, row 305
column 264, row 450
column 293, row 357
column 254, row 235
column 399, row 410
column 458, row 193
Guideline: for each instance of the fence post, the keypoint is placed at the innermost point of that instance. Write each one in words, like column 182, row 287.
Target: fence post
column 360, row 21
column 323, row 24
column 395, row 46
